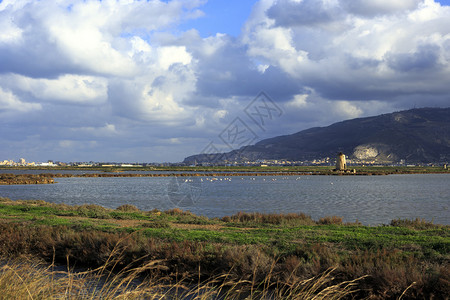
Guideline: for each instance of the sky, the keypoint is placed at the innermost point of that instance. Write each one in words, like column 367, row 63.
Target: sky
column 156, row 81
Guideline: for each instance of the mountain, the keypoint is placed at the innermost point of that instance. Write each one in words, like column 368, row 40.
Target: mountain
column 416, row 135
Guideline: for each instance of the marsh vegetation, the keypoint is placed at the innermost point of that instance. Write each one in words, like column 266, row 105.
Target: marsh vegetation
column 244, row 254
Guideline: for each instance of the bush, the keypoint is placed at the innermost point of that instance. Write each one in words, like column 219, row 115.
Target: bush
column 157, row 224
column 128, row 208
column 93, row 211
column 333, row 220
column 178, row 212
column 415, row 224
column 292, row 219
column 247, row 262
column 4, row 199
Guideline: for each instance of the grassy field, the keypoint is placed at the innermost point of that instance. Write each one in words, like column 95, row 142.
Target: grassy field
column 254, row 253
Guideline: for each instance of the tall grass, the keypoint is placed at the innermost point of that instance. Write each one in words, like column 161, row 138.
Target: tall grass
column 24, row 279
column 293, row 219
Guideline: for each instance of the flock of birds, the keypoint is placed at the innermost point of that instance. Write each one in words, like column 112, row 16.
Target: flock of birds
column 213, row 179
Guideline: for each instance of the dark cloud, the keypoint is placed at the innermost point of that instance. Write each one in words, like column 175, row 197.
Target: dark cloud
column 423, row 59
column 35, row 57
column 371, row 8
column 288, row 13
column 358, row 63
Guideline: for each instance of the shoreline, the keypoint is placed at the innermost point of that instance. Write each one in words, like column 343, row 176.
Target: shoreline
column 49, row 178
column 246, row 247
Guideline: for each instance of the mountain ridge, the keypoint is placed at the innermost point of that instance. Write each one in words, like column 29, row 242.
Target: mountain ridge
column 415, row 135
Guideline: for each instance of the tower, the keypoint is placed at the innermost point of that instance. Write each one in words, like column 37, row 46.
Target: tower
column 341, row 165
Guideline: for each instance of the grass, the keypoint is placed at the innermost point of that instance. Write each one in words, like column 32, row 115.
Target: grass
column 259, row 253
column 21, row 279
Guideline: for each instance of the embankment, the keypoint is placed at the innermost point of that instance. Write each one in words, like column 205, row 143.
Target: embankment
column 6, row 179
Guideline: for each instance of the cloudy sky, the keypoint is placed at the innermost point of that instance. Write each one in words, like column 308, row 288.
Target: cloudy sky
column 154, row 81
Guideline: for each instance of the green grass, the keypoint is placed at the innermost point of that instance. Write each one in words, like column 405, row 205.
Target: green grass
column 253, row 232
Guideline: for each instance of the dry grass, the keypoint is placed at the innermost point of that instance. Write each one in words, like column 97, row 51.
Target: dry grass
column 23, row 279
column 142, row 279
column 330, row 220
column 30, row 280
column 277, row 219
column 128, row 208
column 414, row 223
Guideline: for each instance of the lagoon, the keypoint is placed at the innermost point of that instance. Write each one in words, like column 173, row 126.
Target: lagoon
column 372, row 200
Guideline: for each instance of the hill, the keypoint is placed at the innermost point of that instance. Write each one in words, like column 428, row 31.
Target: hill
column 416, row 135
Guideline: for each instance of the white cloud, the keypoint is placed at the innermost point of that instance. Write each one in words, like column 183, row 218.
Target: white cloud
column 299, row 101
column 220, row 114
column 167, row 56
column 87, row 36
column 346, row 109
column 155, row 97
column 11, row 103
column 76, row 89
column 371, row 57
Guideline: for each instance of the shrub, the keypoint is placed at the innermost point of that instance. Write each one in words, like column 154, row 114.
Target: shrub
column 36, row 202
column 157, row 224
column 93, row 211
column 178, row 212
column 416, row 223
column 333, row 220
column 4, row 199
column 227, row 219
column 128, row 208
column 292, row 219
column 247, row 262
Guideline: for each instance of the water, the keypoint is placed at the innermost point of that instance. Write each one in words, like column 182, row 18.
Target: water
column 370, row 199
column 87, row 171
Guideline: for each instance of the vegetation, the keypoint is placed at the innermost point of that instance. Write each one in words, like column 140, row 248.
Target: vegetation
column 26, row 179
column 297, row 169
column 24, row 279
column 242, row 255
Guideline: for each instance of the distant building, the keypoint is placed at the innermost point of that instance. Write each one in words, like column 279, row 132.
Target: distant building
column 341, row 164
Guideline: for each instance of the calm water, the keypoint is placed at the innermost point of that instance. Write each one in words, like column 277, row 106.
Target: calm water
column 370, row 199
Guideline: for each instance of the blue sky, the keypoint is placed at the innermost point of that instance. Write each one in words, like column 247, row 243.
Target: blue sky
column 155, row 81
column 222, row 16
column 229, row 16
